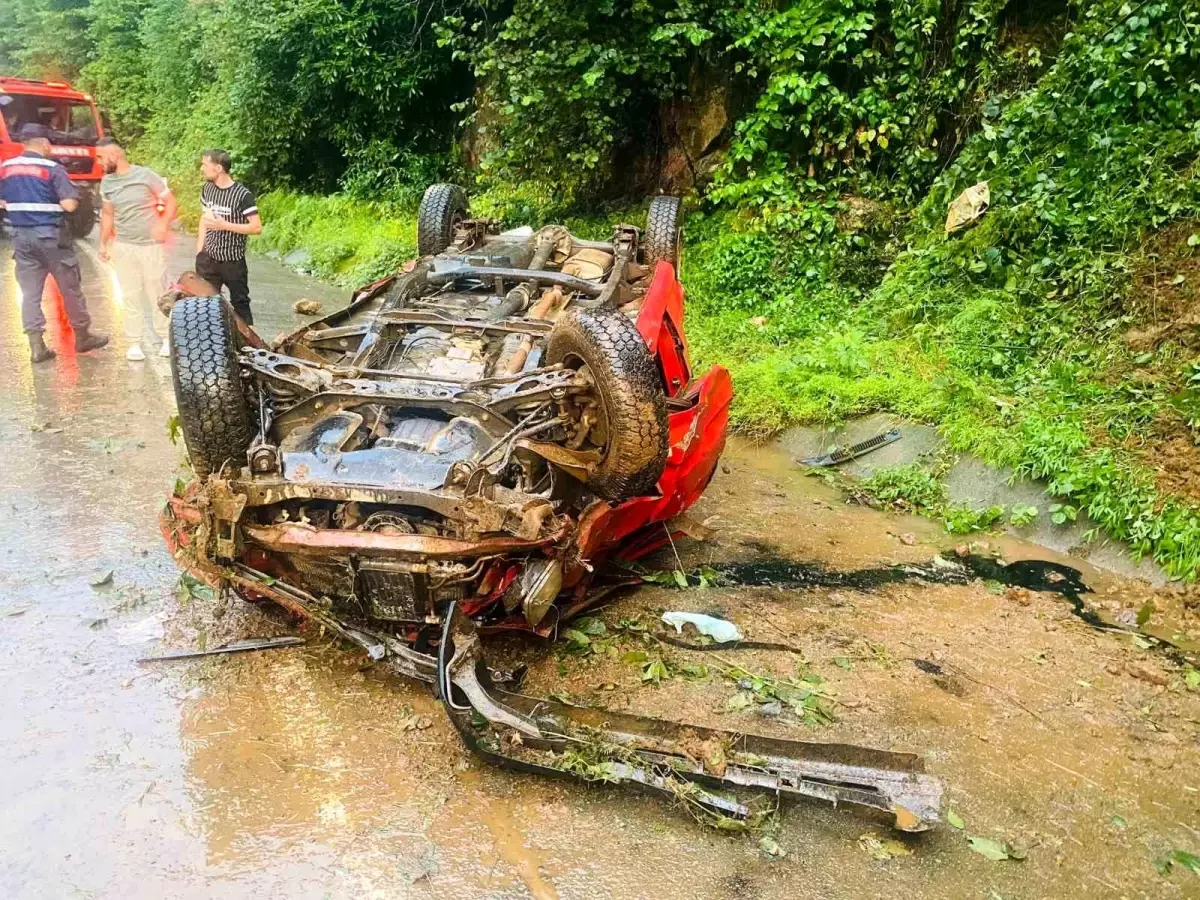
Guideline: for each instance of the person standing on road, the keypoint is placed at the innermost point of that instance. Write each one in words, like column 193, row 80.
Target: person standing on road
column 135, row 219
column 36, row 192
column 230, row 215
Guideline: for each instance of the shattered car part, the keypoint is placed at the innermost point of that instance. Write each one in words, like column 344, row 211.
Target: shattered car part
column 854, row 451
column 272, row 643
column 470, row 440
column 655, row 753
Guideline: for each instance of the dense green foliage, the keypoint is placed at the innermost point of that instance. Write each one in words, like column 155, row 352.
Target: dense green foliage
column 1007, row 335
column 817, row 264
column 828, row 93
column 308, row 93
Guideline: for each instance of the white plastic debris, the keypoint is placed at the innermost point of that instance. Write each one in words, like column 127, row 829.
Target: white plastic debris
column 968, row 207
column 718, row 629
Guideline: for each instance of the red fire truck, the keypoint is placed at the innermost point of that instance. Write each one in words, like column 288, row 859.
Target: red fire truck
column 76, row 126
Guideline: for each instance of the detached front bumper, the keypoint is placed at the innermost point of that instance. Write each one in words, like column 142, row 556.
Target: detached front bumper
column 543, row 736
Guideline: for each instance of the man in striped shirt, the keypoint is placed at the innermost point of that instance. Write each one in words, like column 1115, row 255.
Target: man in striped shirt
column 230, row 215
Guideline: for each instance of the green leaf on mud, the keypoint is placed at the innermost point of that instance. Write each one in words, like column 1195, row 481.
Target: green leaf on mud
column 1118, row 822
column 1144, row 614
column 738, row 702
column 590, row 625
column 770, row 848
column 101, row 579
column 576, row 640
column 1191, row 677
column 842, row 662
column 954, row 820
column 173, row 428
column 680, row 579
column 692, row 670
column 1188, row 860
column 654, row 672
column 635, row 658
column 880, row 848
column 988, row 848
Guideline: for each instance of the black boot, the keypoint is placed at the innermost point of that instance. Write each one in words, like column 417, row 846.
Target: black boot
column 85, row 340
column 38, row 351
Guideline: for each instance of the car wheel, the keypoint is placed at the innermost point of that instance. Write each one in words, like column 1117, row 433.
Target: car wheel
column 632, row 429
column 442, row 208
column 214, row 414
column 663, row 238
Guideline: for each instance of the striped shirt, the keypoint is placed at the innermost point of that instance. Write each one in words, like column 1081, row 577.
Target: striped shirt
column 233, row 204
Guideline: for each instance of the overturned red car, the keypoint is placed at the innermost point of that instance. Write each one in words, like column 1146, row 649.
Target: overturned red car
column 485, row 428
column 462, row 449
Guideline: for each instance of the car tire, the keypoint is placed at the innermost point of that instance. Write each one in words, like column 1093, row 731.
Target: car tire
column 631, row 392
column 83, row 219
column 442, row 208
column 663, row 238
column 214, row 414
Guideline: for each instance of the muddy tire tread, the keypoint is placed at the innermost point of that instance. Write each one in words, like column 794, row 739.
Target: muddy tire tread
column 661, row 239
column 631, row 387
column 214, row 415
column 435, row 217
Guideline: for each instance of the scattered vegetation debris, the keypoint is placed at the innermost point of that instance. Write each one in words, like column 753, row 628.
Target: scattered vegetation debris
column 807, row 698
column 882, row 848
column 996, row 851
column 703, row 577
column 720, row 630
column 954, row 820
column 307, row 307
column 770, row 848
column 1189, row 861
column 192, row 588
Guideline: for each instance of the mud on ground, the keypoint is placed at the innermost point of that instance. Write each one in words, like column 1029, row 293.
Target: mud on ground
column 1075, row 748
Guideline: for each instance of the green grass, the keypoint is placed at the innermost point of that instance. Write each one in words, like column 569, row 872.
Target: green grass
column 348, row 241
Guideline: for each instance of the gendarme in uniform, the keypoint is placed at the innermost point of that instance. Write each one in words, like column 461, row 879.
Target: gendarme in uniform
column 33, row 188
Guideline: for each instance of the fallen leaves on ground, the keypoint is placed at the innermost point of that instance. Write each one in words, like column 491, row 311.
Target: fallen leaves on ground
column 882, row 848
column 996, row 851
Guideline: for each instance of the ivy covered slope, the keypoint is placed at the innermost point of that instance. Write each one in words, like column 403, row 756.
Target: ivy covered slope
column 1013, row 336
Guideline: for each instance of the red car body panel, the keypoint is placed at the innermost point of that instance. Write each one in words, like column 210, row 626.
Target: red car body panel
column 697, row 432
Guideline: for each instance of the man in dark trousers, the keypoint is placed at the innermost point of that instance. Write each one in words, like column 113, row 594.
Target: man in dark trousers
column 230, row 215
column 36, row 193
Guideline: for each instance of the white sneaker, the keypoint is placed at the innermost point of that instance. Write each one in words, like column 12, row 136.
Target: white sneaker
column 134, row 353
column 165, row 349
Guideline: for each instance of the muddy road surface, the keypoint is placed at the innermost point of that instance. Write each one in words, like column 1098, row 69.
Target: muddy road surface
column 301, row 773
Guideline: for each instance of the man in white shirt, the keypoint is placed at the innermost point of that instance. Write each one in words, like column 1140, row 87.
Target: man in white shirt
column 135, row 220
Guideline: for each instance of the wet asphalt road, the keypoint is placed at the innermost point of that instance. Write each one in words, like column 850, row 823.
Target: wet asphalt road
column 285, row 774
column 91, row 755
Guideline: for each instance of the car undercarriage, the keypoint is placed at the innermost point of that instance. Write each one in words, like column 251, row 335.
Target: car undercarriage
column 474, row 444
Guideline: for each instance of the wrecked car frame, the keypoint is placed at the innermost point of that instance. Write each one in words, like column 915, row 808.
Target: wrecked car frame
column 463, row 449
